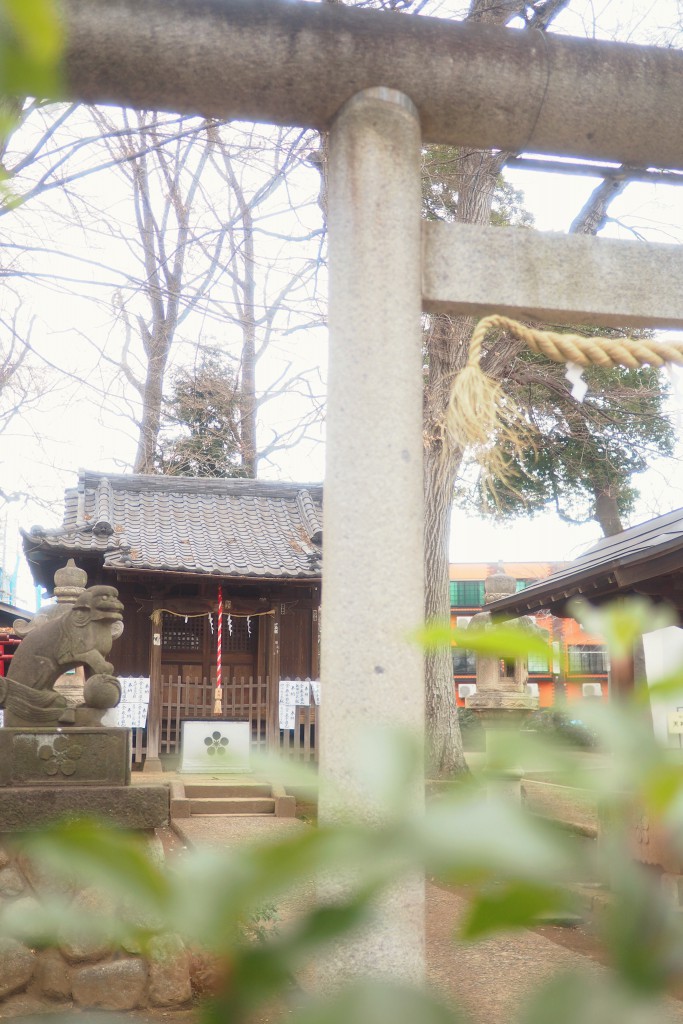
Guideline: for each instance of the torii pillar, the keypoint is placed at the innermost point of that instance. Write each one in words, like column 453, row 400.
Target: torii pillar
column 373, row 593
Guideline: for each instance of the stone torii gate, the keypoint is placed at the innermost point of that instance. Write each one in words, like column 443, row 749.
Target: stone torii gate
column 383, row 84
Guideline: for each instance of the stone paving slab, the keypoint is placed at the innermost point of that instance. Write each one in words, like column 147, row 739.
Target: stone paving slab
column 229, row 829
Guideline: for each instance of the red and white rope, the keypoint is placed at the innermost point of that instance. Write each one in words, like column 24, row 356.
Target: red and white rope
column 218, row 701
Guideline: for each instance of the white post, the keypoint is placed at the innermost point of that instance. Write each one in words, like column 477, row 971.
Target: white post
column 373, row 511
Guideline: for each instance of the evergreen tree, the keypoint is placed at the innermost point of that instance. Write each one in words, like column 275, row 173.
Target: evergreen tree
column 202, row 421
column 581, row 456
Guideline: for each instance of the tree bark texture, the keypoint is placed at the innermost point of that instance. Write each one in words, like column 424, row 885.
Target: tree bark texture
column 446, row 350
column 607, row 513
column 247, row 304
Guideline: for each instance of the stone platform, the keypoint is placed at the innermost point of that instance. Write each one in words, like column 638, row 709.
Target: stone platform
column 24, row 809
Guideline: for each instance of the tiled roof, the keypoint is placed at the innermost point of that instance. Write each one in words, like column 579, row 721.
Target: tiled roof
column 621, row 564
column 243, row 528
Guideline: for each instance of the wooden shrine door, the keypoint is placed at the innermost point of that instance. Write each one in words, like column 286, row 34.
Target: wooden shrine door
column 188, row 671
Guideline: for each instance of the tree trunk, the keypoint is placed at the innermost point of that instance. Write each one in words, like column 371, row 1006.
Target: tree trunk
column 247, row 401
column 446, row 346
column 444, row 744
column 607, row 512
column 152, row 397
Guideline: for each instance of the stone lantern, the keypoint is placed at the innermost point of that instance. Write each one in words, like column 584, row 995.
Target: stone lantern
column 502, row 700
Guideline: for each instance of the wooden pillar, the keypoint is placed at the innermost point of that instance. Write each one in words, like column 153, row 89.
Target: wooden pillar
column 621, row 677
column 152, row 761
column 315, row 639
column 315, row 664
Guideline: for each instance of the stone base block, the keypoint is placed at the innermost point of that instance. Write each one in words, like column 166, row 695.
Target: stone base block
column 134, row 807
column 61, row 758
column 501, row 700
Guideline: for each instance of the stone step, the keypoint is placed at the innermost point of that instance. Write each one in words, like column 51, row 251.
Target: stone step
column 232, row 805
column 203, row 790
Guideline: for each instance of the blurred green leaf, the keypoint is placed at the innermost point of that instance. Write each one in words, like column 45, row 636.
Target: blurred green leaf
column 669, row 686
column 262, row 970
column 641, row 928
column 514, row 905
column 621, row 623
column 216, row 890
column 378, row 1002
column 489, row 838
column 87, row 850
column 31, row 41
column 587, row 998
column 497, row 641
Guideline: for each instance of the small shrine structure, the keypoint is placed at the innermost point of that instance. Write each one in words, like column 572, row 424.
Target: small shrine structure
column 220, row 582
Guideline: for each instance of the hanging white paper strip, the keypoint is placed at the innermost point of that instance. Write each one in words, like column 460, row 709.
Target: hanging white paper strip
column 574, row 375
column 287, row 716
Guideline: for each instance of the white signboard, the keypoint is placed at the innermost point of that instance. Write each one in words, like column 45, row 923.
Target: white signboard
column 294, row 693
column 287, row 716
column 212, row 747
column 663, row 654
column 131, row 711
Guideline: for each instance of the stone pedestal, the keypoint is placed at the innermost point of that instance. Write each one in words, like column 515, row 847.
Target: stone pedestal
column 48, row 774
column 502, row 700
column 500, row 713
column 55, row 757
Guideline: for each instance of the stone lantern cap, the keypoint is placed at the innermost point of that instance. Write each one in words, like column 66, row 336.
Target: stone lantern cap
column 498, row 585
column 70, row 582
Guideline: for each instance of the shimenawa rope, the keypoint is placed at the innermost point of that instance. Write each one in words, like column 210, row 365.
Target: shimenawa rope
column 479, row 412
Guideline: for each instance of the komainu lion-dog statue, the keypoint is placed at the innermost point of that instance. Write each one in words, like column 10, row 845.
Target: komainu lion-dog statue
column 63, row 640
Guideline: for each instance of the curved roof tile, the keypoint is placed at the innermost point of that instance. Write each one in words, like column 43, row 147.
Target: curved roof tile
column 245, row 528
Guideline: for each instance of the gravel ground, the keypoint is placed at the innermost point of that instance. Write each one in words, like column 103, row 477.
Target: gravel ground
column 490, row 980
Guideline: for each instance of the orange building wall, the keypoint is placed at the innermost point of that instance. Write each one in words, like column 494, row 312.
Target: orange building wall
column 566, row 632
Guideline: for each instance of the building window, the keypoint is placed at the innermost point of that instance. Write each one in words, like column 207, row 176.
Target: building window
column 239, row 633
column 539, row 662
column 182, row 634
column 587, row 659
column 467, row 593
column 521, row 585
column 464, row 662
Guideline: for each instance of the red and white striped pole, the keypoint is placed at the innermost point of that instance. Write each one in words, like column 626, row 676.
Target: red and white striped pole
column 218, row 699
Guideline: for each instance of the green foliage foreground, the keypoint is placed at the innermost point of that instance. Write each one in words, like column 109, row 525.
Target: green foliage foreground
column 517, row 868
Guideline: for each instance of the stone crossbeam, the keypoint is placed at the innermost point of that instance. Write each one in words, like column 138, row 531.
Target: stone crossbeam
column 298, row 63
column 565, row 278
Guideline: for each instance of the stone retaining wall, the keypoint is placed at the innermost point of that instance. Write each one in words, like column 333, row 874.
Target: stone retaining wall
column 574, row 807
column 83, row 974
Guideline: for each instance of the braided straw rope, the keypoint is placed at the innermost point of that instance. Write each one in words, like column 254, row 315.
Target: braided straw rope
column 574, row 348
column 479, row 412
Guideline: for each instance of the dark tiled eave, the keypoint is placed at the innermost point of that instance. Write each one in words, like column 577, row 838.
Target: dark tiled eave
column 129, row 570
column 647, row 559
